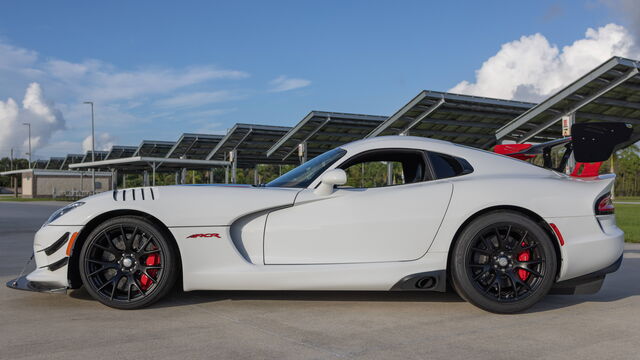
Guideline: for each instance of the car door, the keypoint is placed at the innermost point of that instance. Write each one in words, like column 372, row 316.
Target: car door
column 361, row 224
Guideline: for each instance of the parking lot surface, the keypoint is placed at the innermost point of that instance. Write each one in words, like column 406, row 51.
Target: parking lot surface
column 306, row 325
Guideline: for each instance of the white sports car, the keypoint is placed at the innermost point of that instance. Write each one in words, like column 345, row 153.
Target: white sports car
column 502, row 232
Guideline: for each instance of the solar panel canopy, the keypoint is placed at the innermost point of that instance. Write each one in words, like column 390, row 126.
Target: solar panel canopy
column 154, row 148
column 98, row 155
column 250, row 143
column 54, row 163
column 462, row 119
column 194, row 146
column 320, row 131
column 71, row 159
column 609, row 93
column 120, row 151
column 40, row 164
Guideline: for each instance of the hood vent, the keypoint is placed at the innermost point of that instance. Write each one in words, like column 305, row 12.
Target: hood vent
column 138, row 194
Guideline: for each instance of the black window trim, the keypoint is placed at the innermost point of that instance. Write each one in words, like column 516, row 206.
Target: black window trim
column 426, row 177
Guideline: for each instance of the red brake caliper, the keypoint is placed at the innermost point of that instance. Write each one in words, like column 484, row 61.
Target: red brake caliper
column 523, row 256
column 152, row 260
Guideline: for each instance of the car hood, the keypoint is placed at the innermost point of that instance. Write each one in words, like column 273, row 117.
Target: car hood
column 184, row 205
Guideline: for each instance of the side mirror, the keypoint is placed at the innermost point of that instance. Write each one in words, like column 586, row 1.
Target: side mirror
column 329, row 180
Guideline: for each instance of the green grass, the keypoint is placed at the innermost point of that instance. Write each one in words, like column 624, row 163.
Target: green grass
column 627, row 198
column 628, row 218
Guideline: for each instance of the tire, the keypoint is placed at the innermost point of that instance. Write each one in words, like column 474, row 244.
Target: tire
column 503, row 262
column 128, row 274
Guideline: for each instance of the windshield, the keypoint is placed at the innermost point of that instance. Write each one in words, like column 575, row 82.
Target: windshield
column 304, row 174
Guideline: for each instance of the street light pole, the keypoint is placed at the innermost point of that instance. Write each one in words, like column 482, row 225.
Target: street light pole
column 14, row 178
column 93, row 147
column 29, row 153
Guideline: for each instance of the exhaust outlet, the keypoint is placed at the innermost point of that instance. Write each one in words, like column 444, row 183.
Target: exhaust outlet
column 426, row 283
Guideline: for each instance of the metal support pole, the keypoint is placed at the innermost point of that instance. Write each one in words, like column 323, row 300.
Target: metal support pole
column 302, row 152
column 153, row 180
column 14, row 179
column 93, row 147
column 176, row 176
column 389, row 173
column 183, row 176
column 234, row 165
column 211, row 176
column 571, row 163
column 124, row 181
column 612, row 170
column 145, row 178
column 424, row 115
column 29, row 153
column 255, row 175
column 226, row 174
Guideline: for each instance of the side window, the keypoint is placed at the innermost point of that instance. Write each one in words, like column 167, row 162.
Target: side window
column 372, row 169
column 445, row 166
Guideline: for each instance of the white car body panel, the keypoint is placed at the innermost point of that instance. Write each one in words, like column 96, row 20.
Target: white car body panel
column 291, row 238
column 357, row 225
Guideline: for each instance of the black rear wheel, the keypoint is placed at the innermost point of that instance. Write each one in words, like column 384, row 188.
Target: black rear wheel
column 503, row 262
column 127, row 263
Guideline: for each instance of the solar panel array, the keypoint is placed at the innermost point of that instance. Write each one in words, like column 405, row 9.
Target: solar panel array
column 40, row 164
column 463, row 119
column 194, row 146
column 97, row 156
column 320, row 131
column 610, row 92
column 119, row 152
column 250, row 143
column 154, row 148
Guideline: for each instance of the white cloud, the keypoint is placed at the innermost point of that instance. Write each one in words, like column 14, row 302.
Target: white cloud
column 102, row 82
column 628, row 11
column 531, row 68
column 104, row 142
column 124, row 98
column 12, row 57
column 44, row 117
column 198, row 99
column 284, row 83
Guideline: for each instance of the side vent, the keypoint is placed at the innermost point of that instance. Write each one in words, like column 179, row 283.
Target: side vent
column 137, row 194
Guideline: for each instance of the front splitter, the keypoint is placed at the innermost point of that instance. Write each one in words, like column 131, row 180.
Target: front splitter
column 22, row 283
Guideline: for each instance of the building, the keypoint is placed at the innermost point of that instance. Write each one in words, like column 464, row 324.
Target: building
column 58, row 183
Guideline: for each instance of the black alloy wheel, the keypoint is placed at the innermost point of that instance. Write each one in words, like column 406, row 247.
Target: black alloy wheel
column 503, row 262
column 127, row 263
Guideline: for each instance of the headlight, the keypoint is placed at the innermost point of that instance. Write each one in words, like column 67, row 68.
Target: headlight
column 62, row 211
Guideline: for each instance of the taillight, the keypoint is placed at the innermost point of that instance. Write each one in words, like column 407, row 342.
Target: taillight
column 604, row 205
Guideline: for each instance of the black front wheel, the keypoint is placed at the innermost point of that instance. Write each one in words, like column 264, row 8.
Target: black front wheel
column 128, row 263
column 503, row 262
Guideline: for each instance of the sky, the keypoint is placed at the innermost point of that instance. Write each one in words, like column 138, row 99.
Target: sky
column 156, row 69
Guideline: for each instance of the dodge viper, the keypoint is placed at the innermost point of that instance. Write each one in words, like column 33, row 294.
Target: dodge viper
column 500, row 231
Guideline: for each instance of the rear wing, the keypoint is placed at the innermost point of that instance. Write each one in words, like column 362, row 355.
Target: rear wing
column 590, row 144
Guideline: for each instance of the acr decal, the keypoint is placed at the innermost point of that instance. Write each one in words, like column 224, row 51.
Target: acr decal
column 216, row 235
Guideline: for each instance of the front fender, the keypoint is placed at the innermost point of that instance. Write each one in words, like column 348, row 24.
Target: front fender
column 183, row 205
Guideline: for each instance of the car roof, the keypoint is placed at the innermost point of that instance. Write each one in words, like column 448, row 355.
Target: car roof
column 397, row 141
column 483, row 161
